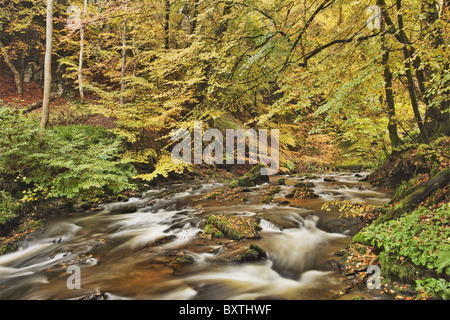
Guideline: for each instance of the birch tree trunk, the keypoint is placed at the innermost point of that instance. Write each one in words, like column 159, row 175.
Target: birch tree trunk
column 80, row 64
column 47, row 67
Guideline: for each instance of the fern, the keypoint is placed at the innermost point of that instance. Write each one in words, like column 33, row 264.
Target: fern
column 443, row 260
column 75, row 161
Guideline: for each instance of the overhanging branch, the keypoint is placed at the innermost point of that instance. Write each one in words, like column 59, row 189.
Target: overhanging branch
column 331, row 43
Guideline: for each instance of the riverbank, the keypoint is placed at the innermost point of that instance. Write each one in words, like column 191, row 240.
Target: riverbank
column 409, row 242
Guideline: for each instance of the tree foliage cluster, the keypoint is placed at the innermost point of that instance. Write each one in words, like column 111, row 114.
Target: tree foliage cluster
column 335, row 88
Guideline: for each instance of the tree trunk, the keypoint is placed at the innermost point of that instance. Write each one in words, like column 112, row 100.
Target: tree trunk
column 47, row 67
column 124, row 56
column 408, row 65
column 420, row 193
column 390, row 102
column 411, row 59
column 166, row 25
column 17, row 75
column 195, row 17
column 444, row 126
column 436, row 117
column 402, row 38
column 80, row 64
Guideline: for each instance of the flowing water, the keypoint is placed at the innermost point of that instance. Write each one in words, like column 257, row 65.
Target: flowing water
column 132, row 255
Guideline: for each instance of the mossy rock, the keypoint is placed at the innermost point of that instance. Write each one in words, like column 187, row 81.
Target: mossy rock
column 273, row 190
column 403, row 271
column 232, row 227
column 302, row 193
column 183, row 258
column 253, row 178
column 304, row 185
column 122, row 198
column 212, row 231
column 227, row 194
column 267, row 195
column 243, row 254
column 309, row 176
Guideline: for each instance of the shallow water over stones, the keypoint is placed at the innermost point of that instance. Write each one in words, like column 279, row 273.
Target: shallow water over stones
column 150, row 247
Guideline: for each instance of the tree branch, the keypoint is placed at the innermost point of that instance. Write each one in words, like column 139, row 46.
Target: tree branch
column 321, row 7
column 331, row 43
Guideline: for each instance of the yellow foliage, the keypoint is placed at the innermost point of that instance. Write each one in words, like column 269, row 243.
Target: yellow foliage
column 165, row 166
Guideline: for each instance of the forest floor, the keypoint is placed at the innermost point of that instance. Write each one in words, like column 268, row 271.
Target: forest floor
column 32, row 93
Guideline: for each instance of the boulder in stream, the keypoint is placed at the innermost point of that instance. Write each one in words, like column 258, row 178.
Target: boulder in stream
column 253, row 178
column 124, row 207
column 231, row 227
column 304, row 184
column 96, row 295
column 238, row 253
column 302, row 193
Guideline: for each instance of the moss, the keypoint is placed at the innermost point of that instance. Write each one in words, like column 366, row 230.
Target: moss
column 227, row 194
column 361, row 238
column 273, row 190
column 183, row 258
column 303, row 193
column 304, row 185
column 218, row 234
column 122, row 198
column 251, row 255
column 244, row 254
column 310, row 176
column 392, row 269
column 253, row 178
column 210, row 230
column 267, row 199
column 9, row 208
column 232, row 227
column 267, row 196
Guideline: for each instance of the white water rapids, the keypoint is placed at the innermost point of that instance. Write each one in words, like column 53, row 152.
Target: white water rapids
column 131, row 255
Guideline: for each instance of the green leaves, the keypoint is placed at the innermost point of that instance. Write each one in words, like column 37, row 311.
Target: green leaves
column 422, row 236
column 431, row 286
column 8, row 207
column 85, row 161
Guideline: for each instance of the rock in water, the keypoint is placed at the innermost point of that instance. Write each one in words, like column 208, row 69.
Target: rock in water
column 302, row 193
column 122, row 207
column 253, row 178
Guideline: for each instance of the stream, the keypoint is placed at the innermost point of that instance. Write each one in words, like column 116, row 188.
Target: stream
column 131, row 254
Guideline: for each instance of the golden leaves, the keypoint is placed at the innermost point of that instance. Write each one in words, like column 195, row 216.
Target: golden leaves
column 350, row 208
